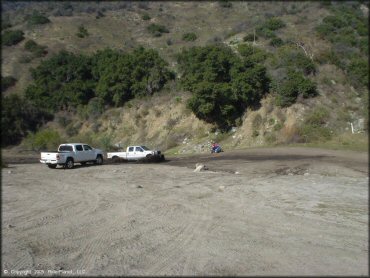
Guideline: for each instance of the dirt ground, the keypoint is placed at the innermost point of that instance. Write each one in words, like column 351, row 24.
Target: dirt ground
column 265, row 211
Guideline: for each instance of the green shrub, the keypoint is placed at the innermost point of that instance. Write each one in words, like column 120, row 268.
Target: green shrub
column 315, row 127
column 278, row 126
column 25, row 59
column 37, row 19
column 145, row 17
column 318, row 117
column 251, row 54
column 37, row 50
column 6, row 82
column 265, row 32
column 250, row 38
column 274, row 24
column 276, row 42
column 12, row 37
column 294, row 59
column 347, row 29
column 189, row 37
column 82, row 32
column 157, row 30
column 358, row 71
column 288, row 89
column 225, row 4
column 47, row 139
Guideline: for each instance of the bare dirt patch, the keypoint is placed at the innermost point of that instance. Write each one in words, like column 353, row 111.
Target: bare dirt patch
column 283, row 211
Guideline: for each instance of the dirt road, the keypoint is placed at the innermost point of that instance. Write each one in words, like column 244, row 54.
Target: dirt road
column 280, row 211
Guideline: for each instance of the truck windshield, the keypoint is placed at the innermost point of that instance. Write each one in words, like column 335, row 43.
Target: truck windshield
column 65, row 148
column 144, row 148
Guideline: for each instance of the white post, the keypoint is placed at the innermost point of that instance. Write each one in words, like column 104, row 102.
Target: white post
column 352, row 128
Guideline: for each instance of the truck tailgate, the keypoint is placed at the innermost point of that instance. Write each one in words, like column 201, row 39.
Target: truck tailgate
column 49, row 156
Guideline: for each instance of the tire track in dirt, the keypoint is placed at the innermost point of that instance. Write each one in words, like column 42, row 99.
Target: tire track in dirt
column 171, row 253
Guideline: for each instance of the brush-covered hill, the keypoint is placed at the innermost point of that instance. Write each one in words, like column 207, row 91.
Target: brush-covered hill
column 176, row 75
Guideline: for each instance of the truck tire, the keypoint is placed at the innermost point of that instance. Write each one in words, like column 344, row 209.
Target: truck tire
column 115, row 159
column 52, row 166
column 99, row 160
column 70, row 163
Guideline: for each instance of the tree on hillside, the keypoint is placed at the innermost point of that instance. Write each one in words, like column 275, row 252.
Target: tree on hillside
column 18, row 116
column 62, row 81
column 222, row 83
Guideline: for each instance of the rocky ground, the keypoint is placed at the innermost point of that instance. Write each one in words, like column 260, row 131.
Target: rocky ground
column 268, row 211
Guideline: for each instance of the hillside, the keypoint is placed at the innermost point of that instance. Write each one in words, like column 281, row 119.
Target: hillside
column 335, row 65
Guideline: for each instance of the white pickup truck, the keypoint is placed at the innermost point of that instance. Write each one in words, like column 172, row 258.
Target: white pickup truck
column 135, row 153
column 71, row 153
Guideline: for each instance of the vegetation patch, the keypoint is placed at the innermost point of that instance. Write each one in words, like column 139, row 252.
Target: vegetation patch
column 223, row 84
column 189, row 37
column 82, row 32
column 11, row 37
column 36, row 18
column 7, row 82
column 36, row 49
column 19, row 116
column 157, row 30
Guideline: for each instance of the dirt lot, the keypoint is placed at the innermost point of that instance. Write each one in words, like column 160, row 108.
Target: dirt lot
column 279, row 211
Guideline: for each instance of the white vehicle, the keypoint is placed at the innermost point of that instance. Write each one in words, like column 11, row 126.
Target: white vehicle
column 71, row 153
column 136, row 153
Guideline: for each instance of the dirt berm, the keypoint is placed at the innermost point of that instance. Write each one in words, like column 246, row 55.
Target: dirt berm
column 276, row 211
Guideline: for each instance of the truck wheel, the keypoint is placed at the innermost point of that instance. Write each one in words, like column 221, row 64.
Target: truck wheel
column 99, row 160
column 115, row 159
column 52, row 166
column 69, row 163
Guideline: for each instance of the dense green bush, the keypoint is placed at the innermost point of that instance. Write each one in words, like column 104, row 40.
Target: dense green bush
column 274, row 24
column 222, row 83
column 37, row 18
column 12, row 37
column 63, row 80
column 251, row 54
column 189, row 37
column 124, row 76
column 157, row 30
column 18, row 116
column 69, row 80
column 6, row 82
column 295, row 84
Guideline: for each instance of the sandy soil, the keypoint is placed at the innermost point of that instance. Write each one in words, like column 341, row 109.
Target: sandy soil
column 279, row 211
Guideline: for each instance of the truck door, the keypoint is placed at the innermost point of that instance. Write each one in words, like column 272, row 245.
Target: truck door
column 139, row 153
column 80, row 154
column 130, row 153
column 88, row 153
